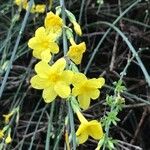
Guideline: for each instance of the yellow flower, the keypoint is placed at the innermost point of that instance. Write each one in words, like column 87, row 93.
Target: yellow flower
column 53, row 24
column 88, row 128
column 8, row 139
column 77, row 28
column 86, row 89
column 40, row 8
column 7, row 117
column 53, row 79
column 43, row 43
column 32, row 10
column 23, row 3
column 76, row 51
column 1, row 134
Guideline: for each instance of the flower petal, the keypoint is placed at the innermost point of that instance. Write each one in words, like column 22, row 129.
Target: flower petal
column 75, row 52
column 37, row 53
column 59, row 65
column 101, row 82
column 46, row 56
column 62, row 89
column 33, row 43
column 95, row 129
column 75, row 91
column 96, row 83
column 54, row 48
column 67, row 76
column 41, row 40
column 77, row 28
column 40, row 32
column 43, row 69
column 49, row 94
column 82, row 134
column 78, row 79
column 84, row 101
column 38, row 82
column 94, row 94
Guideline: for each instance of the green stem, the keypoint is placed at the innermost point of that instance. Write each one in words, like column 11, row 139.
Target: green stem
column 71, row 120
column 106, row 33
column 65, row 46
column 147, row 77
column 36, row 128
column 15, row 48
column 47, row 147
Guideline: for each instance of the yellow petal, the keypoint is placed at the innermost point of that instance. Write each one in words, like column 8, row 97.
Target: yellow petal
column 39, row 83
column 54, row 48
column 96, row 83
column 7, row 117
column 40, row 32
column 75, row 52
column 82, row 47
column 62, row 89
column 95, row 129
column 67, row 76
column 53, row 20
column 94, row 94
column 74, row 56
column 78, row 78
column 1, row 134
column 75, row 91
column 49, row 94
column 101, row 82
column 37, row 53
column 59, row 65
column 40, row 8
column 53, row 24
column 41, row 40
column 77, row 28
column 84, row 101
column 82, row 134
column 33, row 43
column 42, row 69
column 46, row 56
column 8, row 139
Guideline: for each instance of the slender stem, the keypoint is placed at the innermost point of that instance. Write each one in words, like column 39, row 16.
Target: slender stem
column 47, row 147
column 65, row 46
column 106, row 33
column 80, row 16
column 147, row 77
column 29, row 123
column 71, row 119
column 15, row 48
column 36, row 128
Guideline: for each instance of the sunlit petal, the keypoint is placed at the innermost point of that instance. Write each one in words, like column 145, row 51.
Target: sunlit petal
column 84, row 101
column 95, row 129
column 94, row 94
column 39, row 83
column 49, row 94
column 43, row 69
column 62, row 89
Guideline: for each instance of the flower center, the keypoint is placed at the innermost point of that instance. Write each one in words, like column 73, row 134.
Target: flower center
column 54, row 77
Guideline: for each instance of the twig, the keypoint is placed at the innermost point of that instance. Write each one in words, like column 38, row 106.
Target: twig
column 128, row 144
column 114, row 53
column 139, row 126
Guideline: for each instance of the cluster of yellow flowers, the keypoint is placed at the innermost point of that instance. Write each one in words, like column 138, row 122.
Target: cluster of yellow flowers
column 58, row 78
column 8, row 139
column 5, row 133
column 39, row 8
